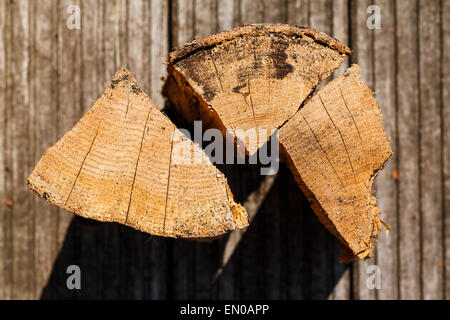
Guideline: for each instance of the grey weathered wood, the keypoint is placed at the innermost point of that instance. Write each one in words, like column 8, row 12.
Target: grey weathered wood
column 385, row 184
column 68, row 112
column 445, row 100
column 430, row 150
column 44, row 104
column 408, row 150
column 5, row 53
column 19, row 121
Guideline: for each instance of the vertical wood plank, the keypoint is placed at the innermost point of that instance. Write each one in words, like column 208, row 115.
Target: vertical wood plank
column 227, row 14
column 385, row 184
column 362, row 47
column 408, row 155
column 159, row 46
column 22, row 221
column 45, row 106
column 430, row 150
column 445, row 100
column 298, row 12
column 252, row 11
column 5, row 261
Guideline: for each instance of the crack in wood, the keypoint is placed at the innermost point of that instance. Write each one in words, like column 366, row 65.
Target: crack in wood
column 217, row 72
column 349, row 112
column 340, row 134
column 82, row 164
column 137, row 163
column 168, row 179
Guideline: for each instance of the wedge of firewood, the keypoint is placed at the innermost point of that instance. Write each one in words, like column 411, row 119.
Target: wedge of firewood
column 252, row 77
column 335, row 145
column 121, row 163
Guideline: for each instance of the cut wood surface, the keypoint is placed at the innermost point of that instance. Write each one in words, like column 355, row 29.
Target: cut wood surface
column 335, row 145
column 120, row 163
column 252, row 77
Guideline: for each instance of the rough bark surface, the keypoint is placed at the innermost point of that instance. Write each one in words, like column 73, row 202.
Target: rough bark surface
column 252, row 77
column 335, row 145
column 122, row 162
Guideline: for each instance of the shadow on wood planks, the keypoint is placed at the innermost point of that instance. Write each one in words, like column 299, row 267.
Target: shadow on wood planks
column 285, row 253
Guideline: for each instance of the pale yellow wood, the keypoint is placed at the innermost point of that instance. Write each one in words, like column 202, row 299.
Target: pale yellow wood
column 252, row 77
column 117, row 164
column 335, row 145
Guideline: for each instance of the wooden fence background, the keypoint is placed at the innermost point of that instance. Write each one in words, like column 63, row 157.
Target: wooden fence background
column 50, row 75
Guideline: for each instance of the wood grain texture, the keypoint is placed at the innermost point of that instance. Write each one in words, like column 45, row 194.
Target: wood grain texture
column 430, row 150
column 385, row 184
column 408, row 151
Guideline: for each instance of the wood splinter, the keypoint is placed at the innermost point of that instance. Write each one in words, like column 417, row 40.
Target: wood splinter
column 120, row 163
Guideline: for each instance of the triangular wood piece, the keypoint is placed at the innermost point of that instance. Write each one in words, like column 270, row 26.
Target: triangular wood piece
column 252, row 77
column 122, row 162
column 335, row 145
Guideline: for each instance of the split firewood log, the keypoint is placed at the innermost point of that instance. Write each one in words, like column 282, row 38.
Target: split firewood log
column 335, row 146
column 122, row 163
column 252, row 77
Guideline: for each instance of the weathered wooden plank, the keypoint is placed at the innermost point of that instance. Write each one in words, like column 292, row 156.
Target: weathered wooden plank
column 227, row 14
column 385, row 184
column 298, row 12
column 407, row 151
column 68, row 113
column 252, row 11
column 19, row 120
column 159, row 46
column 430, row 150
column 5, row 210
column 362, row 48
column 445, row 100
column 44, row 106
